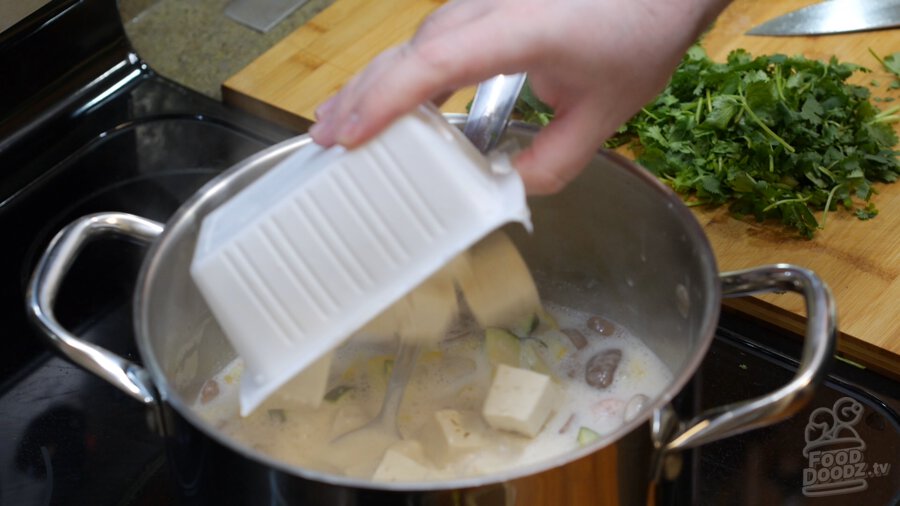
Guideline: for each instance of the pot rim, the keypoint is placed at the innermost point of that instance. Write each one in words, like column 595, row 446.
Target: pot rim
column 188, row 212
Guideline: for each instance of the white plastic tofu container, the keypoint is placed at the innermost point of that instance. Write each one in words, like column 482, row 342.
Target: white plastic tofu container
column 303, row 257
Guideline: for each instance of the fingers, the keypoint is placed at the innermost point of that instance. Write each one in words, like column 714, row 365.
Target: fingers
column 451, row 16
column 562, row 149
column 468, row 41
column 341, row 110
column 400, row 79
column 392, row 85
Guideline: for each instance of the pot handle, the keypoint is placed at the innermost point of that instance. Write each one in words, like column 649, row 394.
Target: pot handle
column 44, row 287
column 818, row 348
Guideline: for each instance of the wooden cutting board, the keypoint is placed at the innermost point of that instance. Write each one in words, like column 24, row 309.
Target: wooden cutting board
column 860, row 260
column 290, row 80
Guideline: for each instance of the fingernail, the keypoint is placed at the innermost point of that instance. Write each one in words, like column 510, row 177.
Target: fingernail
column 348, row 131
column 315, row 130
column 324, row 109
column 322, row 133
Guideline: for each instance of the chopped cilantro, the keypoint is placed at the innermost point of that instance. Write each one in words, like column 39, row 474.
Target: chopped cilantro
column 891, row 63
column 773, row 137
column 531, row 109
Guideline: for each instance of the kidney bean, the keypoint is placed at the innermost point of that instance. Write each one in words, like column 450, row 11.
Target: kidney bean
column 576, row 337
column 209, row 391
column 601, row 326
column 601, row 368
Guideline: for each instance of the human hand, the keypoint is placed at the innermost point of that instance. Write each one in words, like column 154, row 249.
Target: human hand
column 595, row 62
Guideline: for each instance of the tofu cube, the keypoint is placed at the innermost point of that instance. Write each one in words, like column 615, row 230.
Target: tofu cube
column 520, row 400
column 449, row 434
column 396, row 466
column 308, row 387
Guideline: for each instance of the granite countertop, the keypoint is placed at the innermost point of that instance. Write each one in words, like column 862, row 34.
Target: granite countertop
column 194, row 43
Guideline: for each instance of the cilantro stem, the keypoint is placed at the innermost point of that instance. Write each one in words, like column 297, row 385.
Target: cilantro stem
column 765, row 128
column 826, row 171
column 888, row 111
column 739, row 115
column 648, row 113
column 887, row 116
column 877, row 57
column 779, row 84
column 828, row 205
column 784, row 201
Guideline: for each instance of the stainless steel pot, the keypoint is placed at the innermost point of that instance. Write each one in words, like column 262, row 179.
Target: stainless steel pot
column 615, row 242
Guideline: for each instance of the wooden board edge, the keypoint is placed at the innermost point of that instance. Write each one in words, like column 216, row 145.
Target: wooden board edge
column 850, row 348
column 238, row 100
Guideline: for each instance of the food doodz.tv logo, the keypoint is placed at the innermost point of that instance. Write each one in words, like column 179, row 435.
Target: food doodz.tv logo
column 836, row 453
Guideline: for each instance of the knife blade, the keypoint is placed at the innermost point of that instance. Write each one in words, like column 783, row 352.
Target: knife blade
column 834, row 16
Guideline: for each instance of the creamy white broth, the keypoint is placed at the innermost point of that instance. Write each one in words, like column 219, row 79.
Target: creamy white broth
column 455, row 373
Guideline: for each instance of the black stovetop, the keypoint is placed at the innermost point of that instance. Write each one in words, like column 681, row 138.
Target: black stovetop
column 86, row 126
column 95, row 129
column 786, row 462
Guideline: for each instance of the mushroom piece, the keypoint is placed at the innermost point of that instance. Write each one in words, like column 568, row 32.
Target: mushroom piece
column 601, row 368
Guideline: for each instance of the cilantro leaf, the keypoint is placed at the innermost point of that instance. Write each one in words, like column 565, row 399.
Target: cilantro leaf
column 891, row 63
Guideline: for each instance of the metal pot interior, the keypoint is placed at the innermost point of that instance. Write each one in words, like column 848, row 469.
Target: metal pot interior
column 615, row 242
